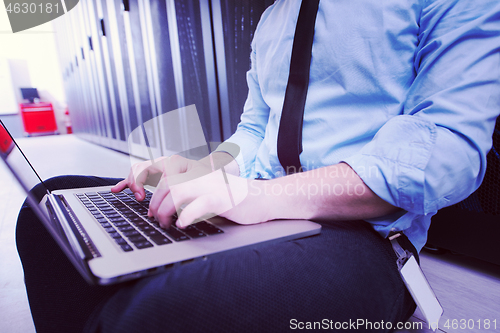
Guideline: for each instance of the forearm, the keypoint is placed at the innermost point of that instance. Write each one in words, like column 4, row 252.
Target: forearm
column 333, row 192
column 219, row 159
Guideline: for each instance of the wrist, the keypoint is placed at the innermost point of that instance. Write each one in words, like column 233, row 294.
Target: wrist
column 279, row 198
column 220, row 159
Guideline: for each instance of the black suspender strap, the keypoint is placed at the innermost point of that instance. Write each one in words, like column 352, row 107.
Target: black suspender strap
column 290, row 129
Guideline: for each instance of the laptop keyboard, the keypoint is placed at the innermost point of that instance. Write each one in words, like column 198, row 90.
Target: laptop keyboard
column 125, row 220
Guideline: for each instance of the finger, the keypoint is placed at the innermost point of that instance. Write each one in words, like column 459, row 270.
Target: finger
column 201, row 207
column 171, row 167
column 176, row 169
column 134, row 180
column 161, row 191
column 175, row 164
column 120, row 186
column 138, row 189
column 165, row 212
column 136, row 183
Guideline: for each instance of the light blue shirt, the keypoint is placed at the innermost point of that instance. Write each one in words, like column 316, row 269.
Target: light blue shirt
column 404, row 91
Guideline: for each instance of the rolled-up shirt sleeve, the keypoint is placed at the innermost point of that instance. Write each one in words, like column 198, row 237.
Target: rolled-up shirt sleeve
column 434, row 154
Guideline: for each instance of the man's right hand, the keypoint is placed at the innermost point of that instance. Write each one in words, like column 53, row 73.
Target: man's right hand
column 173, row 170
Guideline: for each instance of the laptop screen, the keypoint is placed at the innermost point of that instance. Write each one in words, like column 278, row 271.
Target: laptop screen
column 16, row 161
column 6, row 143
column 28, row 178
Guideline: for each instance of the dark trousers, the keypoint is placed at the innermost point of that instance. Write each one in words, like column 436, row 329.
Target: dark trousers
column 345, row 275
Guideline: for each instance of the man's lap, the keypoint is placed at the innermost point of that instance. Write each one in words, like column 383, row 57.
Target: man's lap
column 347, row 272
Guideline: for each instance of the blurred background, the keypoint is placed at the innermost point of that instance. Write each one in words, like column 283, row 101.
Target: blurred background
column 28, row 59
column 113, row 65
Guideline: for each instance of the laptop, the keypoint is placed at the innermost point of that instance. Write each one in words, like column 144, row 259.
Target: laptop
column 109, row 238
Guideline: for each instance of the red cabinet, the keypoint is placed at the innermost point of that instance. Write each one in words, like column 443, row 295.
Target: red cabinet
column 38, row 118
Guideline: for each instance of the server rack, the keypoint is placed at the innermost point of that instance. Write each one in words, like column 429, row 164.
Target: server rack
column 126, row 62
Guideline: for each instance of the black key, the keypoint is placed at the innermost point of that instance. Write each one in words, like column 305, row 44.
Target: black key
column 120, row 241
column 193, row 232
column 115, row 235
column 141, row 222
column 110, row 229
column 101, row 219
column 98, row 200
column 175, row 234
column 143, row 245
column 130, row 214
column 112, row 214
column 145, row 227
column 126, row 228
column 135, row 205
column 127, row 248
column 131, row 233
column 152, row 232
column 136, row 219
column 156, row 224
column 121, row 224
column 160, row 239
column 208, row 228
column 137, row 239
column 106, row 225
column 117, row 219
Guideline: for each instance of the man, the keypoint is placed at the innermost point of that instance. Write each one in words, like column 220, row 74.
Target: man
column 400, row 109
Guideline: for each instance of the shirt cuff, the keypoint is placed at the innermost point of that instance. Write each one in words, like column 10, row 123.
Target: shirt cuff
column 393, row 164
column 234, row 150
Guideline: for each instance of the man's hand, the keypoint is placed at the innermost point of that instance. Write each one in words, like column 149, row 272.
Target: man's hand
column 216, row 193
column 184, row 181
